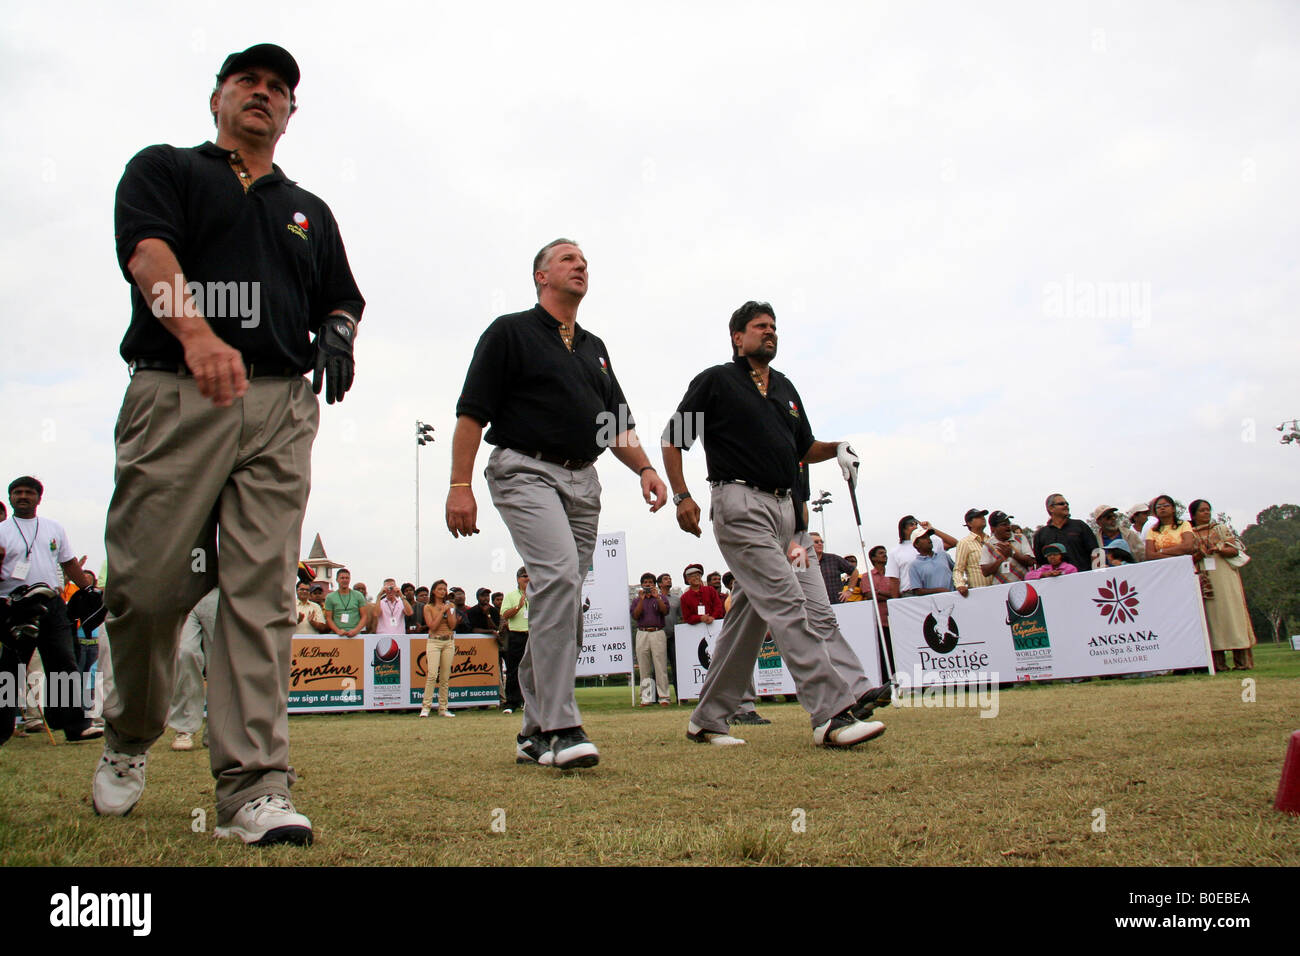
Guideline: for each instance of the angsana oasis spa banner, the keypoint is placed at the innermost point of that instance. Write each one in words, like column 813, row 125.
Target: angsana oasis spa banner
column 1140, row 617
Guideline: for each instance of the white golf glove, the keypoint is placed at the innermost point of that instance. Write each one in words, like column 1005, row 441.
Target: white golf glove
column 849, row 462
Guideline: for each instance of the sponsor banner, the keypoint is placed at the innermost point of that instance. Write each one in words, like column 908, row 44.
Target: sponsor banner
column 388, row 661
column 1140, row 617
column 606, row 628
column 857, row 622
column 327, row 674
column 385, row 672
column 475, row 673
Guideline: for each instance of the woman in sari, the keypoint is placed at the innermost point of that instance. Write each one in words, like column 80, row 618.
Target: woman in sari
column 1221, row 590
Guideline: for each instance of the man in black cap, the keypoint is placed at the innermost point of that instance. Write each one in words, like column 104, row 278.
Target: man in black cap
column 233, row 268
column 966, row 572
column 33, row 552
column 1007, row 556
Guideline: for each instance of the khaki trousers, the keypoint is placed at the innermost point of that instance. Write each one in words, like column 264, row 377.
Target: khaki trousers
column 439, row 655
column 652, row 661
column 184, row 470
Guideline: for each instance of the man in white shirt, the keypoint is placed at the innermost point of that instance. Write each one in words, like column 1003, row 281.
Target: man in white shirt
column 33, row 551
column 391, row 609
column 905, row 552
column 311, row 619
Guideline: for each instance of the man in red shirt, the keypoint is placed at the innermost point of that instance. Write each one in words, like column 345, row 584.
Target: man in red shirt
column 701, row 604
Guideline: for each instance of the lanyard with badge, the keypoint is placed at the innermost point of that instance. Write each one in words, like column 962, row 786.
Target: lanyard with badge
column 24, row 565
column 345, row 612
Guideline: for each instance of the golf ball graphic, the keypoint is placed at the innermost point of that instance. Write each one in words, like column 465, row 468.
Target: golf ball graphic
column 1022, row 599
column 386, row 650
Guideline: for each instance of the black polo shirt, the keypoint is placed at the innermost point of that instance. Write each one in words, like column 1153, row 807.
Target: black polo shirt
column 276, row 235
column 539, row 396
column 479, row 619
column 746, row 436
column 1077, row 537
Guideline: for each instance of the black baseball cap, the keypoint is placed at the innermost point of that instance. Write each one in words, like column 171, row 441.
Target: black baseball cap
column 999, row 517
column 263, row 54
column 975, row 513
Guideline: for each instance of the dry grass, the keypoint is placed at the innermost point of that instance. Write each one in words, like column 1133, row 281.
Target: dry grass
column 1184, row 770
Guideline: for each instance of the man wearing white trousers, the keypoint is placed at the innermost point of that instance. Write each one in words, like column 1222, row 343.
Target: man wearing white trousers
column 547, row 387
column 190, row 694
column 755, row 436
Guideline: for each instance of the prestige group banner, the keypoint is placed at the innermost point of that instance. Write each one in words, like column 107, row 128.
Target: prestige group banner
column 386, row 672
column 695, row 644
column 1139, row 617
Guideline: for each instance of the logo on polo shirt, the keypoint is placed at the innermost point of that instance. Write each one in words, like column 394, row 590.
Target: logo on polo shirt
column 794, row 409
column 604, row 367
column 299, row 226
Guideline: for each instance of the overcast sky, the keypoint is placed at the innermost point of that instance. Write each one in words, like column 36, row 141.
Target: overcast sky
column 1012, row 248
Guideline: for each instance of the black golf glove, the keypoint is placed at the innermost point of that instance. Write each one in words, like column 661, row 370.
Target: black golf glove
column 334, row 363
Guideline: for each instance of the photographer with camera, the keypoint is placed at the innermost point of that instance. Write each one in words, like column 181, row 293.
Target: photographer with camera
column 32, row 550
column 391, row 609
column 650, row 610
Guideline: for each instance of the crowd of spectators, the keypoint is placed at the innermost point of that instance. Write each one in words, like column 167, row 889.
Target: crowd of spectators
column 996, row 549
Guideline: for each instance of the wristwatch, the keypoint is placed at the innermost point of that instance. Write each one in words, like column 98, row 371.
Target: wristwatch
column 679, row 498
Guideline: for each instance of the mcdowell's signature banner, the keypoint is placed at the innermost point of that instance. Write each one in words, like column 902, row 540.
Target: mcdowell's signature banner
column 385, row 672
column 695, row 642
column 1141, row 617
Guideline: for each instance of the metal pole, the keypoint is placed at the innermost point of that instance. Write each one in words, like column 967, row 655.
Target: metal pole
column 417, row 505
column 871, row 583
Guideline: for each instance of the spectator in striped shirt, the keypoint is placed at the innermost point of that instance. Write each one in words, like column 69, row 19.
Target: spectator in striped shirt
column 966, row 572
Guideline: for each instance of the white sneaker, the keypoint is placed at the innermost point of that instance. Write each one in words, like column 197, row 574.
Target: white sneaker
column 445, row 713
column 183, row 741
column 118, row 783
column 702, row 736
column 424, row 711
column 268, row 820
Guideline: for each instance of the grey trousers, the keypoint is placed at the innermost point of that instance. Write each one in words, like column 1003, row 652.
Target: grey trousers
column 184, row 469
column 552, row 512
column 753, row 529
column 822, row 618
column 189, row 696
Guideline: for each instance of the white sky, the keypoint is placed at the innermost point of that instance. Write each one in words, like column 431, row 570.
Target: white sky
column 926, row 193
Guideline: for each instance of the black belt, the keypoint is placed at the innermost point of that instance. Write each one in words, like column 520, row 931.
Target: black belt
column 777, row 492
column 252, row 369
column 648, row 629
column 573, row 464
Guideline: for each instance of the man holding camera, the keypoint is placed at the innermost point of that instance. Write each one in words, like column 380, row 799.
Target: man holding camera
column 649, row 610
column 33, row 550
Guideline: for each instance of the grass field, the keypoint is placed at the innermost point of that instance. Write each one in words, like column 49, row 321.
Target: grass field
column 1182, row 768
